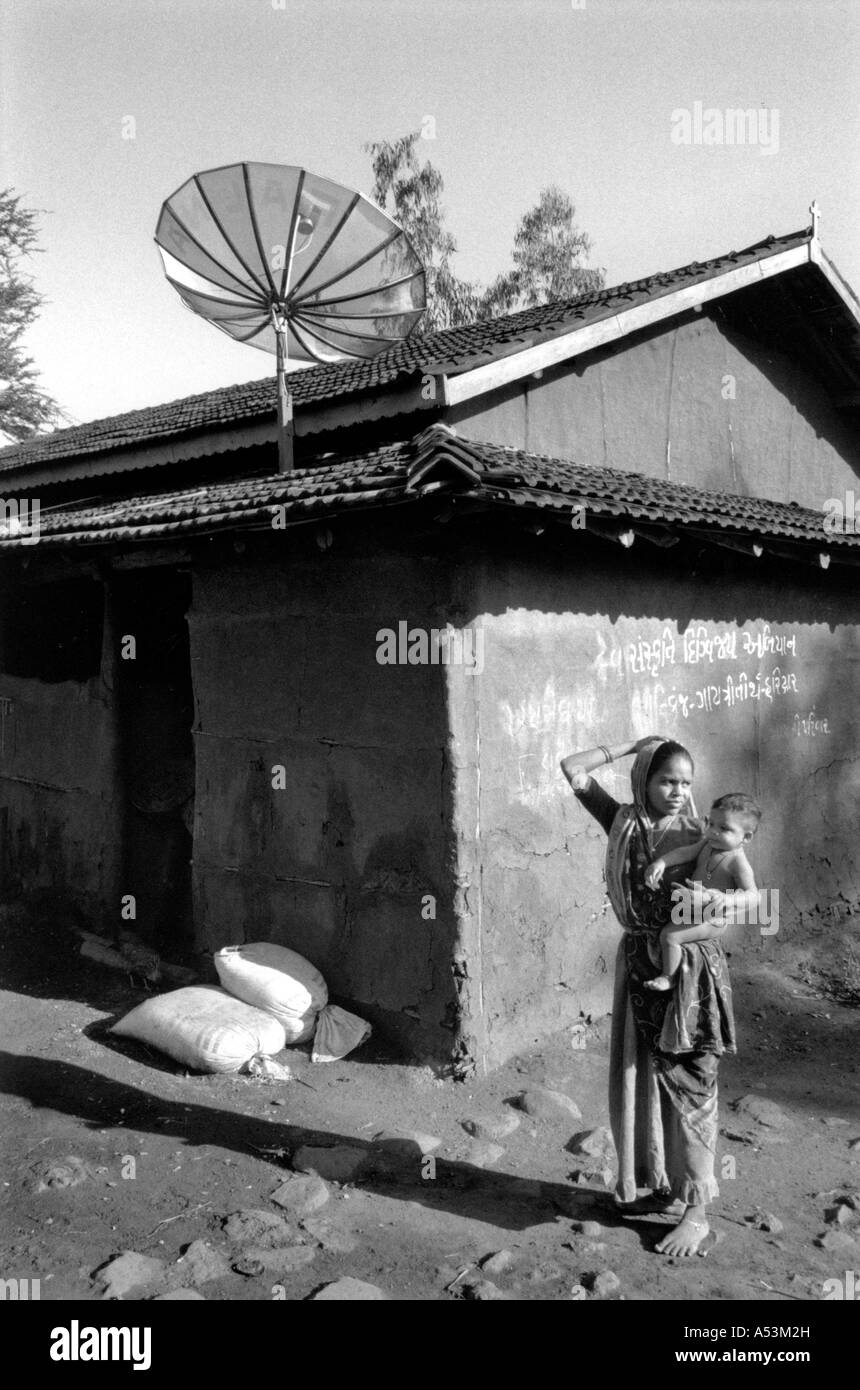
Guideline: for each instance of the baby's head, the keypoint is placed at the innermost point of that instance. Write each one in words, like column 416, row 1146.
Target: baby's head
column 732, row 820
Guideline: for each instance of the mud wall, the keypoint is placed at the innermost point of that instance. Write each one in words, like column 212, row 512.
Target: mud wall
column 756, row 675
column 347, row 862
column 693, row 403
column 60, row 792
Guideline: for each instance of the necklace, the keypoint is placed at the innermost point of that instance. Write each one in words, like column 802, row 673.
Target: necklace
column 655, row 844
column 713, row 864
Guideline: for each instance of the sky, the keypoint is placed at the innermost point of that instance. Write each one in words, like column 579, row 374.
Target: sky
column 107, row 106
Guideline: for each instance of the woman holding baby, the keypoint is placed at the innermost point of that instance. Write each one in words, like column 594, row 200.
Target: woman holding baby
column 666, row 1042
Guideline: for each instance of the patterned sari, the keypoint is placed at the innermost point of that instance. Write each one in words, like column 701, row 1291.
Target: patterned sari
column 665, row 1047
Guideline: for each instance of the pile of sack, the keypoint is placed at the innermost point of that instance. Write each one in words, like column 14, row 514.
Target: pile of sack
column 269, row 998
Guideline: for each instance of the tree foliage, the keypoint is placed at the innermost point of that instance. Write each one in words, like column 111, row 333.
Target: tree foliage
column 24, row 406
column 410, row 192
column 548, row 251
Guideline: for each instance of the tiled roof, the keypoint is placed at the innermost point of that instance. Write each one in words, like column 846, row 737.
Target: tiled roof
column 452, row 349
column 438, row 462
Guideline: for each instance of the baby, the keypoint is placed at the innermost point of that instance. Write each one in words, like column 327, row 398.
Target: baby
column 721, row 867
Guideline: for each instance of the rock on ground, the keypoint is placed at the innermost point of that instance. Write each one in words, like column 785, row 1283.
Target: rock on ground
column 592, row 1229
column 254, row 1227
column 49, row 1176
column 349, row 1290
column 493, row 1126
column 256, row 1259
column 485, row 1291
column 301, row 1195
column 836, row 1240
column 497, row 1263
column 407, row 1143
column 338, row 1242
column 126, row 1272
column 596, row 1144
column 481, row 1154
column 201, row 1262
column 763, row 1111
column 544, row 1104
column 604, row 1283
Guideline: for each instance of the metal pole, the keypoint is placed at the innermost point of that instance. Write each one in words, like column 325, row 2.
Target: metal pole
column 285, row 399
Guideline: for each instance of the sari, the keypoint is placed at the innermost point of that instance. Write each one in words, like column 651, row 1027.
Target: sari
column 665, row 1046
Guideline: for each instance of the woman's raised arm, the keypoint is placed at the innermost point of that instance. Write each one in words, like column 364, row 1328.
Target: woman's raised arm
column 577, row 766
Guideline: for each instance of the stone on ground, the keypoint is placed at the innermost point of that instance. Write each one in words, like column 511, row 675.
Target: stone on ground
column 492, row 1126
column 301, row 1195
column 349, row 1291
column 485, row 1291
column 543, row 1104
column 592, row 1229
column 175, row 1295
column 762, row 1111
column 126, row 1272
column 481, row 1153
column 497, row 1264
column 338, row 1242
column 49, row 1176
column 256, row 1259
column 255, row 1227
column 836, row 1240
column 408, row 1143
column 202, row 1262
column 604, row 1283
column 596, row 1144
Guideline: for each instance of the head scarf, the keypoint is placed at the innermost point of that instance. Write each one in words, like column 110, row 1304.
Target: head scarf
column 621, row 831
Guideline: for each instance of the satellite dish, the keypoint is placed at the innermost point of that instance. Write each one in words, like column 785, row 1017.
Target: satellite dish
column 292, row 264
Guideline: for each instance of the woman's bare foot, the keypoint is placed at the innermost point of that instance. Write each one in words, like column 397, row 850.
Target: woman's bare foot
column 687, row 1236
column 661, row 982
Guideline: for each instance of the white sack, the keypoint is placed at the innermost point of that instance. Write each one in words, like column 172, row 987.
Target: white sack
column 277, row 980
column 203, row 1027
column 337, row 1033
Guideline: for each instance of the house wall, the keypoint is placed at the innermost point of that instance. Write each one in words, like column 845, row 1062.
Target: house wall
column 693, row 402
column 351, row 864
column 61, row 791
column 596, row 644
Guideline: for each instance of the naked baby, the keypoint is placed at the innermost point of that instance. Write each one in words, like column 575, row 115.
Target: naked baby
column 721, row 867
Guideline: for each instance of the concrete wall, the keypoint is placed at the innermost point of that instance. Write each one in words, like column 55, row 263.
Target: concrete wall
column 337, row 865
column 597, row 644
column 692, row 402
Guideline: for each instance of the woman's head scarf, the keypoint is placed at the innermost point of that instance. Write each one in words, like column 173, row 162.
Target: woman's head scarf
column 626, row 819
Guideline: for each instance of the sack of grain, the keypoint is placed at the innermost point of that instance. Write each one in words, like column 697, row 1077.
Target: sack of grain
column 203, row 1027
column 277, row 980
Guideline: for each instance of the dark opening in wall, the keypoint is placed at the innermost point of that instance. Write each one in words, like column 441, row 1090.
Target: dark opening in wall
column 52, row 632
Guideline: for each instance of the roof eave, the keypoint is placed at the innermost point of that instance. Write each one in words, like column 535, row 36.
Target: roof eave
column 586, row 337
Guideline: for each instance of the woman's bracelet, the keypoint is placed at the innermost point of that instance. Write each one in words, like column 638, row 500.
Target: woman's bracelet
column 605, row 751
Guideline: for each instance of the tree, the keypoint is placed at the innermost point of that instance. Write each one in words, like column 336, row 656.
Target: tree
column 24, row 406
column 548, row 253
column 548, row 247
column 410, row 192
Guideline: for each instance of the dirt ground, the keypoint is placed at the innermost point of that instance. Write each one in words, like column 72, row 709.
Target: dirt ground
column 205, row 1147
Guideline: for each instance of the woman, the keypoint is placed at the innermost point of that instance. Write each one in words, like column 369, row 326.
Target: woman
column 665, row 1047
